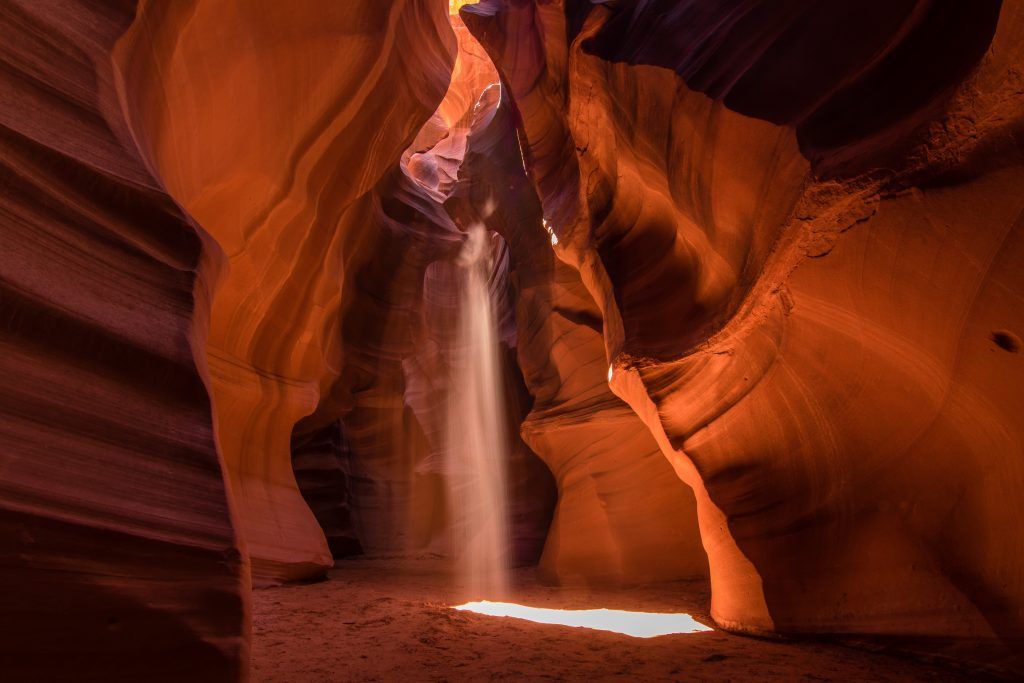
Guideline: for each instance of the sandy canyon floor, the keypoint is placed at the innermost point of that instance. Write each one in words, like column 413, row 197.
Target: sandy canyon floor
column 381, row 621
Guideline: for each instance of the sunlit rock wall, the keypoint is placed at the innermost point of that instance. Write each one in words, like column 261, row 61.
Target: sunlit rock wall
column 273, row 124
column 800, row 226
column 783, row 299
column 118, row 554
column 423, row 328
column 393, row 381
column 622, row 514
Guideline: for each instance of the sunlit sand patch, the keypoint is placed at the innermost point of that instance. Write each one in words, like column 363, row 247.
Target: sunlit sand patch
column 636, row 624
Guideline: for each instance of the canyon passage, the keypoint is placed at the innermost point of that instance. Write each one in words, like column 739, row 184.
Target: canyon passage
column 511, row 339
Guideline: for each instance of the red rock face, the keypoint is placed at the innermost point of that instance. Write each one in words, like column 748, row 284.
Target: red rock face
column 282, row 151
column 853, row 78
column 757, row 274
column 117, row 548
column 622, row 515
column 800, row 265
column 323, row 463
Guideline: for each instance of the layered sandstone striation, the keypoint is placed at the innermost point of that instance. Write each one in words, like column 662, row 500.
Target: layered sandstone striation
column 277, row 128
column 622, row 514
column 799, row 227
column 757, row 270
column 323, row 462
column 432, row 363
column 117, row 547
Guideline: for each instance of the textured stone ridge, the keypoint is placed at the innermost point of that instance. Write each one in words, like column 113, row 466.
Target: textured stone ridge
column 273, row 124
column 117, row 549
column 758, row 266
column 622, row 515
column 322, row 462
column 803, row 256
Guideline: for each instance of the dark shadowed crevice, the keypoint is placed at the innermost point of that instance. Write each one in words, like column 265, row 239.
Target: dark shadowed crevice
column 853, row 76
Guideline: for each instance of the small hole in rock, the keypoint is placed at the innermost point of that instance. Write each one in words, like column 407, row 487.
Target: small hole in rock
column 1006, row 340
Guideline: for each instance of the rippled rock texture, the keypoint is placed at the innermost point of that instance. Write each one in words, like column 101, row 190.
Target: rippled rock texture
column 117, row 548
column 279, row 127
column 622, row 515
column 758, row 277
column 799, row 225
column 323, row 462
column 329, row 214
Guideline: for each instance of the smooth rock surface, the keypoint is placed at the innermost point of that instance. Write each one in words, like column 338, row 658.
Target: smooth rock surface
column 273, row 125
column 807, row 273
column 118, row 555
column 757, row 276
column 622, row 515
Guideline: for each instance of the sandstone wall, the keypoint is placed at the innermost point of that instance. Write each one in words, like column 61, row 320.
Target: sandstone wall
column 798, row 223
column 273, row 124
column 117, row 548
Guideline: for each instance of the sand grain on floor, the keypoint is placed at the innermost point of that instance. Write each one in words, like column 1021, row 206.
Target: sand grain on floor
column 384, row 621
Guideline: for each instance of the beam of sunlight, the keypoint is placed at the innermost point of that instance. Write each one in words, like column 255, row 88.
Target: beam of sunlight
column 636, row 624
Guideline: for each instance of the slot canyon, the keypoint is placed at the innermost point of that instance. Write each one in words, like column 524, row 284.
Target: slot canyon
column 394, row 340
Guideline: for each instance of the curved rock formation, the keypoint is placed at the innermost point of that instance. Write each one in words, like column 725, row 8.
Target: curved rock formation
column 622, row 515
column 801, row 245
column 396, row 344
column 757, row 275
column 288, row 192
column 322, row 462
column 395, row 499
column 117, row 549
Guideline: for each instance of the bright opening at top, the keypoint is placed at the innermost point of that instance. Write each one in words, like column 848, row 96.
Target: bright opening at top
column 454, row 5
column 636, row 624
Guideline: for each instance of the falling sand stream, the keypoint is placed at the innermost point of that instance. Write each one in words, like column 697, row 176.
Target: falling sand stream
column 476, row 433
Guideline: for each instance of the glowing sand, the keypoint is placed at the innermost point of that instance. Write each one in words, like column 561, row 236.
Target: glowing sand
column 636, row 624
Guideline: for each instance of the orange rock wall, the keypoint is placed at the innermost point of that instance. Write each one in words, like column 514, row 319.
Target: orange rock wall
column 808, row 277
column 622, row 515
column 272, row 124
column 760, row 272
